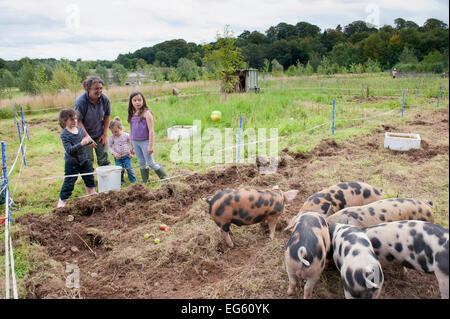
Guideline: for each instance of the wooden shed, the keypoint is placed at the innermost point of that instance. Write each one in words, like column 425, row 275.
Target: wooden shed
column 248, row 80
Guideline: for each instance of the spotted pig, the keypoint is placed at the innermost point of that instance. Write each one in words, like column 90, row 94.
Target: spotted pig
column 306, row 251
column 414, row 244
column 353, row 255
column 248, row 206
column 385, row 210
column 337, row 197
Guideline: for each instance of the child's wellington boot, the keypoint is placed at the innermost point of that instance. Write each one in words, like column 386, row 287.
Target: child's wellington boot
column 162, row 175
column 144, row 174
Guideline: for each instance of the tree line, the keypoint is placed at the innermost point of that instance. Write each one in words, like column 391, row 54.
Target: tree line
column 285, row 48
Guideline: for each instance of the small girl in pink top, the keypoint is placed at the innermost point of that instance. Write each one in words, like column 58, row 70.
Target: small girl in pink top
column 120, row 147
column 142, row 136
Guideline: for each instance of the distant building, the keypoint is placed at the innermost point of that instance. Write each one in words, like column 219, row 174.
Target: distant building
column 247, row 80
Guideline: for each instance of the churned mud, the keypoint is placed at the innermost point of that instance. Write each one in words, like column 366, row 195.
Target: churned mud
column 103, row 235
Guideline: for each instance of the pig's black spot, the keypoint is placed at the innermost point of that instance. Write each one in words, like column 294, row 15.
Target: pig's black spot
column 235, row 212
column 349, row 277
column 442, row 259
column 359, row 277
column 376, row 191
column 355, row 252
column 237, row 222
column 325, row 207
column 382, row 218
column 376, row 243
column 328, row 197
column 271, row 201
column 407, row 264
column 398, row 247
column 420, row 210
column 401, row 200
column 428, row 214
column 258, row 219
column 316, row 201
column 342, row 185
column 412, row 232
column 356, row 186
column 243, row 213
column 340, row 197
column 390, row 257
column 395, row 205
column 366, row 193
column 236, row 198
column 266, row 202
column 226, row 227
column 384, row 210
column 251, row 198
column 412, row 224
column 278, row 207
column 414, row 212
column 332, row 191
column 423, row 264
column 371, row 211
column 346, row 250
column 363, row 242
column 259, row 202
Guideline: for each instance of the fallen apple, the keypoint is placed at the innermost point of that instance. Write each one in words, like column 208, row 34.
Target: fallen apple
column 157, row 240
column 216, row 116
column 162, row 226
column 167, row 229
column 147, row 236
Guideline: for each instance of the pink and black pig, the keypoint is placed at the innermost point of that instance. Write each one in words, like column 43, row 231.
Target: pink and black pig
column 354, row 257
column 306, row 251
column 414, row 244
column 246, row 207
column 337, row 197
column 385, row 210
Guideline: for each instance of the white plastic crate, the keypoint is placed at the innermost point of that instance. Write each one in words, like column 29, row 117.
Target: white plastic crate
column 401, row 141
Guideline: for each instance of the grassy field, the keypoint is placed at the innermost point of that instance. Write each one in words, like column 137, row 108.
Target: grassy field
column 293, row 105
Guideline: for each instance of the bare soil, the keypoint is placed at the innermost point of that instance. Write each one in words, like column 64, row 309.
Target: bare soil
column 104, row 234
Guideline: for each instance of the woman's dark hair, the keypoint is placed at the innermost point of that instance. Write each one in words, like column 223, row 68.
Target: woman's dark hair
column 89, row 82
column 65, row 115
column 131, row 108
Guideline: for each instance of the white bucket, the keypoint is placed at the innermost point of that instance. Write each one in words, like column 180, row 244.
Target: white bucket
column 108, row 178
column 401, row 141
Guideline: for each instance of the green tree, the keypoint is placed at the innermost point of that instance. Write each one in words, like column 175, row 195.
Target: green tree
column 31, row 77
column 102, row 73
column 276, row 67
column 226, row 58
column 120, row 73
column 82, row 69
column 187, row 70
column 65, row 76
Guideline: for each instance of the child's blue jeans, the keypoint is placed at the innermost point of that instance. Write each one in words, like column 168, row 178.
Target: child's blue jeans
column 125, row 162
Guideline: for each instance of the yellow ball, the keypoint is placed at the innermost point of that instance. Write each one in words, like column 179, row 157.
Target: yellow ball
column 216, row 116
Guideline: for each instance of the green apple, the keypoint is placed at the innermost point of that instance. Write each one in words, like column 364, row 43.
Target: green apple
column 216, row 116
column 147, row 236
column 157, row 240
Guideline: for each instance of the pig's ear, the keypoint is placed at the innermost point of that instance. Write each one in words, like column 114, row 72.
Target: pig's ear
column 290, row 195
column 294, row 220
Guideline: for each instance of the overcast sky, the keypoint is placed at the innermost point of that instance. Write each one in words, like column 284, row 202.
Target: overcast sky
column 101, row 29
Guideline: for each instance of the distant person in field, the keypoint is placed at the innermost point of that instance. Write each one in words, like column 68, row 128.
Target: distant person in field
column 75, row 158
column 120, row 147
column 394, row 73
column 142, row 136
column 94, row 110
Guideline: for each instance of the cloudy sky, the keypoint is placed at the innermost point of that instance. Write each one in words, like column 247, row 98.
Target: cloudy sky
column 101, row 29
